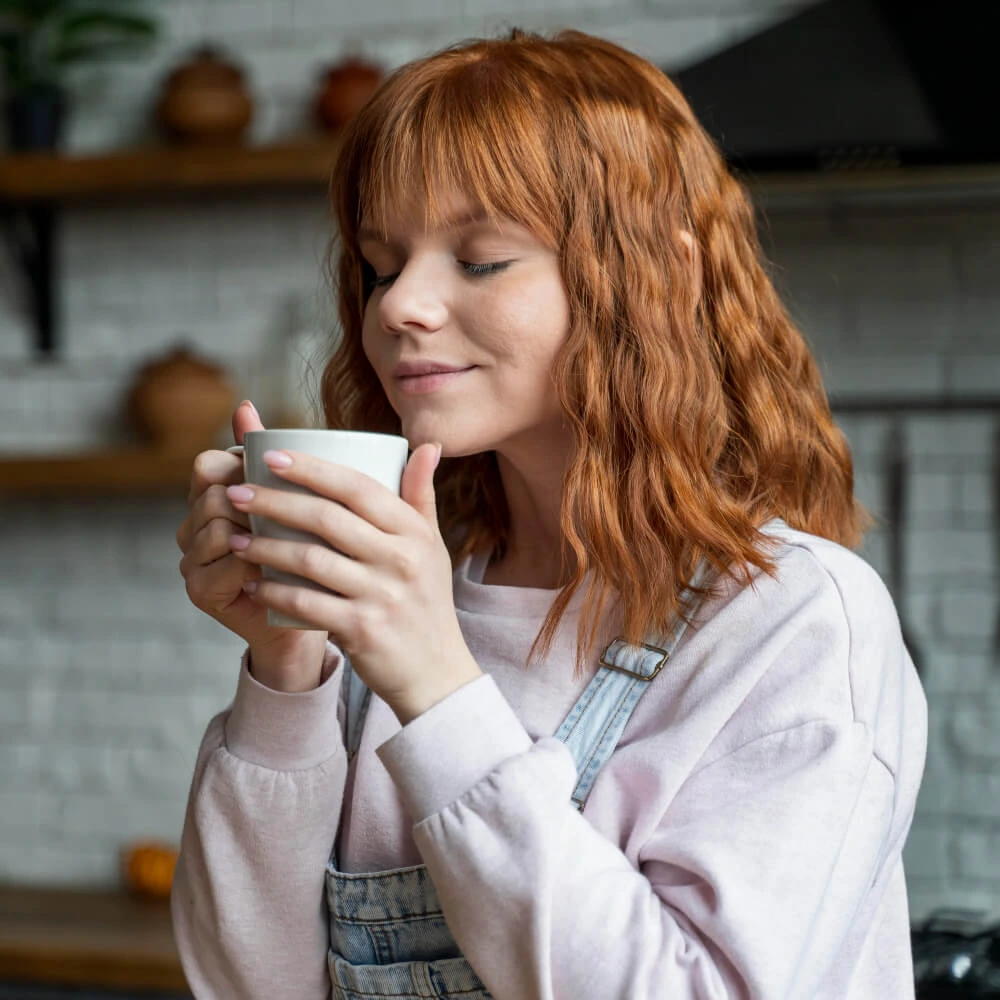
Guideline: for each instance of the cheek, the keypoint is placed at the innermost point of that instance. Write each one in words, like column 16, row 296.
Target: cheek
column 369, row 340
column 535, row 321
column 374, row 349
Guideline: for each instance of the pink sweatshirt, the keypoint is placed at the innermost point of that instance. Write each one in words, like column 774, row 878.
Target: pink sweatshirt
column 742, row 842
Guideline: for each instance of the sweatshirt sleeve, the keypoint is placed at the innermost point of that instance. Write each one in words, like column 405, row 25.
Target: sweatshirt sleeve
column 745, row 888
column 247, row 900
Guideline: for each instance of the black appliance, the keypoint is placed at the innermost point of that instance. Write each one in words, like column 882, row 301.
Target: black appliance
column 956, row 957
column 855, row 83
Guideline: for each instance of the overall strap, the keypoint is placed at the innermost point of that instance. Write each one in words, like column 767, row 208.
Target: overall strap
column 595, row 724
column 358, row 697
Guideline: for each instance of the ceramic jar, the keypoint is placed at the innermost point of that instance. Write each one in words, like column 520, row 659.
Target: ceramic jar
column 205, row 100
column 148, row 868
column 180, row 403
column 344, row 89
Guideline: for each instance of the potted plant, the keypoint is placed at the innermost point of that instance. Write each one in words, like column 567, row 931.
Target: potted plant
column 41, row 40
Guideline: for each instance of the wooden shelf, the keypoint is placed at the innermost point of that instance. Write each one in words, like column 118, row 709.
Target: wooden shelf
column 96, row 939
column 32, row 185
column 50, row 177
column 308, row 162
column 117, row 472
column 960, row 182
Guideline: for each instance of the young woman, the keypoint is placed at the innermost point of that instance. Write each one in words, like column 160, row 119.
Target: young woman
column 605, row 705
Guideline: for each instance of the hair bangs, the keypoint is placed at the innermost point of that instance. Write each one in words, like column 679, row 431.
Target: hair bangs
column 475, row 131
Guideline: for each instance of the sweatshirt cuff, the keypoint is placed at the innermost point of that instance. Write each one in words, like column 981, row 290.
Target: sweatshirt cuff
column 438, row 756
column 282, row 731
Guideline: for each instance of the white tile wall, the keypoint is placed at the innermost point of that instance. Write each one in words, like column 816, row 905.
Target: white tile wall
column 899, row 302
column 108, row 675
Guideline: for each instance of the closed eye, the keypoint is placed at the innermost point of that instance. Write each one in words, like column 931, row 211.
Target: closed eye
column 480, row 269
column 473, row 270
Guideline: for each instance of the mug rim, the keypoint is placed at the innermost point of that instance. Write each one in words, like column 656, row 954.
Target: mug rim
column 324, row 430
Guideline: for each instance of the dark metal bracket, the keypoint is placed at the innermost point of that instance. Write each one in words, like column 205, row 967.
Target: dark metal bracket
column 30, row 230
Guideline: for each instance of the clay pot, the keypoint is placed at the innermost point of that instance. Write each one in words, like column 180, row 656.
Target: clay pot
column 180, row 403
column 205, row 100
column 148, row 868
column 344, row 89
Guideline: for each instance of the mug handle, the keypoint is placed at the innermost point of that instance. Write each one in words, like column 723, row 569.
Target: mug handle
column 236, row 449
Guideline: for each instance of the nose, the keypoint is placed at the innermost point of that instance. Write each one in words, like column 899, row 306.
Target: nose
column 415, row 299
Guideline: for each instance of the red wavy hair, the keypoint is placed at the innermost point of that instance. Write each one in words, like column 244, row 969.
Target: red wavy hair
column 697, row 411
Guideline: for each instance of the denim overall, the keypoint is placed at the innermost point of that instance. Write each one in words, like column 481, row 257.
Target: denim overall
column 388, row 936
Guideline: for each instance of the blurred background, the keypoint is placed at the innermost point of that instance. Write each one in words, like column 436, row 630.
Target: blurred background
column 162, row 204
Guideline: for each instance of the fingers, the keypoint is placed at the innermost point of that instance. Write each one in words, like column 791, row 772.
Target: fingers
column 245, row 418
column 314, row 607
column 319, row 516
column 317, row 563
column 220, row 466
column 212, row 467
column 214, row 576
column 217, row 586
column 369, row 499
column 210, row 542
column 211, row 504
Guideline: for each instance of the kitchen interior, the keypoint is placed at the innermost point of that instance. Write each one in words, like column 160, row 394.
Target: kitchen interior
column 162, row 184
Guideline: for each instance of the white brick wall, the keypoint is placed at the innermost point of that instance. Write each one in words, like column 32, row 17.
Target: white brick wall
column 108, row 676
column 902, row 301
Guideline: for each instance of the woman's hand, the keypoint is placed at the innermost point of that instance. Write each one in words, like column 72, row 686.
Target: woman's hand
column 392, row 611
column 286, row 659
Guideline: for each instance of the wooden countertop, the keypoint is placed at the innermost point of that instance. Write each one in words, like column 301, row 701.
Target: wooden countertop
column 99, row 939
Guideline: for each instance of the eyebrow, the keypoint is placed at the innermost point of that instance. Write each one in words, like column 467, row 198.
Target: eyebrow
column 453, row 222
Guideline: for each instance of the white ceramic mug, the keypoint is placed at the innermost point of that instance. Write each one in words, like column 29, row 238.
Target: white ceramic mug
column 380, row 456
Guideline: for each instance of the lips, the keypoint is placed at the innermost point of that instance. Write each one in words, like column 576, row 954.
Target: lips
column 413, row 369
column 430, row 381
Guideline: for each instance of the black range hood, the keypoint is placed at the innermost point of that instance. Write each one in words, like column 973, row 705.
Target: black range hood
column 849, row 84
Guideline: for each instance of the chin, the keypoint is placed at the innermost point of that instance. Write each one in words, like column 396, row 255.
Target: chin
column 455, row 438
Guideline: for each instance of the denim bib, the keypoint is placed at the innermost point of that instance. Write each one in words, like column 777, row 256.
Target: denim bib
column 388, row 935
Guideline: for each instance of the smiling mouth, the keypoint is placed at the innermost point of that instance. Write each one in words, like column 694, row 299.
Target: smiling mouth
column 417, row 384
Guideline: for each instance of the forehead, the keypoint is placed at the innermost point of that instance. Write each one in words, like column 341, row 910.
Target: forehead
column 450, row 208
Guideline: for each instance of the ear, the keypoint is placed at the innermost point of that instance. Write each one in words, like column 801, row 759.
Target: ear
column 693, row 258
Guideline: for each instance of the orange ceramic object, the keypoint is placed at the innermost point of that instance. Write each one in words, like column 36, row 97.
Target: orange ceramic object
column 148, row 868
column 180, row 403
column 344, row 90
column 205, row 100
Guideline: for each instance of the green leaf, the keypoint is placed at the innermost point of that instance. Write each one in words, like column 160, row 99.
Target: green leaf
column 92, row 51
column 108, row 22
column 53, row 34
column 98, row 37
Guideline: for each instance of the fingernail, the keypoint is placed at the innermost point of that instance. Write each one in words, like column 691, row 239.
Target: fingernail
column 239, row 542
column 250, row 586
column 437, row 461
column 277, row 459
column 239, row 494
column 247, row 402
